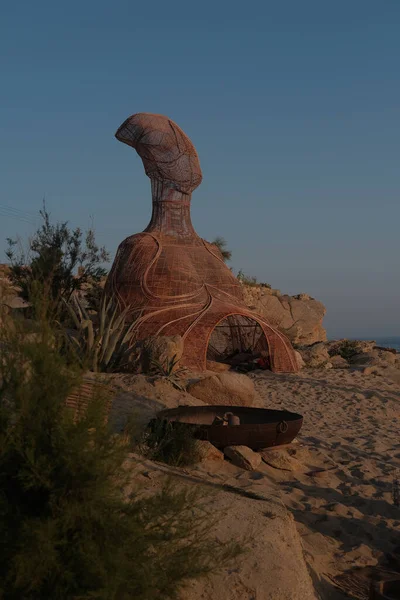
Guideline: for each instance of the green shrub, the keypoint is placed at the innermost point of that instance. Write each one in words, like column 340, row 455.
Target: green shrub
column 57, row 257
column 251, row 280
column 101, row 345
column 221, row 244
column 67, row 529
column 172, row 443
column 348, row 349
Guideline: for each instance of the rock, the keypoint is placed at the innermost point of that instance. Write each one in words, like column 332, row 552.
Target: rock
column 243, row 457
column 231, row 389
column 299, row 360
column 373, row 358
column 391, row 350
column 138, row 398
column 335, row 347
column 207, row 451
column 273, row 567
column 371, row 371
column 280, row 459
column 338, row 362
column 295, row 457
column 315, row 356
column 299, row 317
column 161, row 349
column 217, row 366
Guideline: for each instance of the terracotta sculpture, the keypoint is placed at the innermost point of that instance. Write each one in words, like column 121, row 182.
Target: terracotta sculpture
column 173, row 281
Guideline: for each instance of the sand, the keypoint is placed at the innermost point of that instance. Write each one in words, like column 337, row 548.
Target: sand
column 345, row 516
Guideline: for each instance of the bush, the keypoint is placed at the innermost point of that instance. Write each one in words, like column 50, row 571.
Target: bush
column 57, row 257
column 101, row 345
column 172, row 443
column 67, row 530
column 348, row 349
column 251, row 280
column 221, row 244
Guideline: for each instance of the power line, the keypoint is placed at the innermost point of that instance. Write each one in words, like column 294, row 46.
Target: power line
column 16, row 213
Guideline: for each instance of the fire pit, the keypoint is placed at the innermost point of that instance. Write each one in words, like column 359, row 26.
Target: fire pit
column 236, row 425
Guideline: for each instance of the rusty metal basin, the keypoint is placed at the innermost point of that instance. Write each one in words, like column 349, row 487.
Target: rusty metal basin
column 258, row 428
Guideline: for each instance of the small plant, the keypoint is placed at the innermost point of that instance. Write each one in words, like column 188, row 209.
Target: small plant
column 102, row 346
column 172, row 443
column 348, row 349
column 246, row 279
column 168, row 370
column 251, row 280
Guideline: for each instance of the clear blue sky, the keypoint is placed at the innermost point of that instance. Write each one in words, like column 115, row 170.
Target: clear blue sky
column 294, row 109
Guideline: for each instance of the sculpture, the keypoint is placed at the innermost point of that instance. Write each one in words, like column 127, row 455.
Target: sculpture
column 173, row 281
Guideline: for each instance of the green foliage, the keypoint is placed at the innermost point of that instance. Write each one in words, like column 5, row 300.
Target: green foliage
column 57, row 257
column 101, row 345
column 168, row 370
column 221, row 244
column 348, row 349
column 67, row 529
column 172, row 443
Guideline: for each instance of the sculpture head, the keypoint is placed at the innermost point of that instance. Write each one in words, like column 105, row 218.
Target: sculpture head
column 167, row 153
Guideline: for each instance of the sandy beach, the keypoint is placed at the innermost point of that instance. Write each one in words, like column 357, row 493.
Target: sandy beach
column 345, row 515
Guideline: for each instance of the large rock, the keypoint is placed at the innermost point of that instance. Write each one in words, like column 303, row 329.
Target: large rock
column 137, row 398
column 231, row 389
column 315, row 356
column 338, row 362
column 272, row 568
column 374, row 358
column 243, row 457
column 300, row 317
column 161, row 349
column 207, row 452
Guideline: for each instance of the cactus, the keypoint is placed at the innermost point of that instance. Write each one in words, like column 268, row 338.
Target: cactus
column 104, row 345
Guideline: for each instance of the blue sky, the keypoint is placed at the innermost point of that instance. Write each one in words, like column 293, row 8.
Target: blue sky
column 293, row 107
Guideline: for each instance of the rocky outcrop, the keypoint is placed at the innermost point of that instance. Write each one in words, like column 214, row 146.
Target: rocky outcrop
column 300, row 317
column 231, row 389
column 315, row 356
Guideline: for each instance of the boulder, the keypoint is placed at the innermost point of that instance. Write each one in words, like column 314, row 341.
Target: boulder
column 280, row 460
column 338, row 362
column 138, row 398
column 373, row 358
column 346, row 347
column 243, row 457
column 299, row 317
column 231, row 389
column 161, row 349
column 315, row 356
column 207, row 451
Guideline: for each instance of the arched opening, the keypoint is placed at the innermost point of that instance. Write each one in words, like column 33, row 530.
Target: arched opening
column 240, row 342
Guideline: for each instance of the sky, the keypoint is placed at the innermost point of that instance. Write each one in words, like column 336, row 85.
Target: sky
column 294, row 110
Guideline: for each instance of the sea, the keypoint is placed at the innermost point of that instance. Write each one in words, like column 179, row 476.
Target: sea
column 387, row 342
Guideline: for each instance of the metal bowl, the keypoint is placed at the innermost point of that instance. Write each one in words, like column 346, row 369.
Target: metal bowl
column 258, row 428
